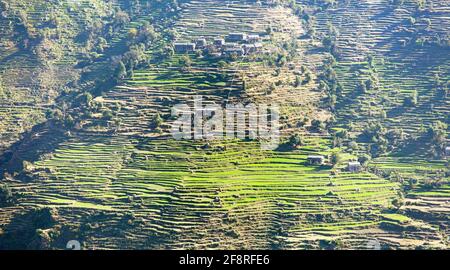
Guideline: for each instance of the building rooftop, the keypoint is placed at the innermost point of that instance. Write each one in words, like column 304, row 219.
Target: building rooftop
column 315, row 157
column 354, row 163
column 184, row 44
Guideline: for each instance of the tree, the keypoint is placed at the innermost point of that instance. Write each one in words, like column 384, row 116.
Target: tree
column 295, row 141
column 328, row 43
column 86, row 98
column 308, row 77
column 222, row 64
column 4, row 5
column 373, row 132
column 147, row 34
column 335, row 158
column 398, row 202
column 102, row 43
column 69, row 121
column 6, row 197
column 135, row 56
column 362, row 87
column 371, row 83
column 185, row 61
column 121, row 18
column 437, row 135
column 156, row 121
column 411, row 100
column 395, row 136
column 2, row 89
column 298, row 81
column 121, row 71
column 318, row 125
column 364, row 159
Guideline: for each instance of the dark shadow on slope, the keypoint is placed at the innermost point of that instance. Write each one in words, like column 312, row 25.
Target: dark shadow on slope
column 42, row 139
column 24, row 232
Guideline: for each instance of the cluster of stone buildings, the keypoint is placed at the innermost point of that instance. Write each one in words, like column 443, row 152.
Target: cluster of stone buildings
column 352, row 166
column 238, row 44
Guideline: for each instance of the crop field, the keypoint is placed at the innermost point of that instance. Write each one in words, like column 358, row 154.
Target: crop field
column 85, row 126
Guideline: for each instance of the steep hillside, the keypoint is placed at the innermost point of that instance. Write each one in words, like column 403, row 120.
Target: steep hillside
column 87, row 154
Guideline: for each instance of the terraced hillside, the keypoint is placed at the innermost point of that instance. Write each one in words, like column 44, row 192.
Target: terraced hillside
column 112, row 176
column 38, row 50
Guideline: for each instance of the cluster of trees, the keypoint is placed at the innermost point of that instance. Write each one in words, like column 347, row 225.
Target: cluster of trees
column 137, row 7
column 330, row 41
column 2, row 88
column 375, row 134
column 287, row 51
column 318, row 126
column 303, row 76
column 307, row 18
column 329, row 83
column 60, row 115
column 74, row 106
column 436, row 136
column 293, row 142
column 383, row 140
column 139, row 41
column 340, row 137
column 371, row 83
column 421, row 5
column 441, row 87
column 47, row 50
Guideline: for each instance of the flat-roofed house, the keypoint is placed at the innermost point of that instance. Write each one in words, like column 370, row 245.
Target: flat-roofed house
column 316, row 160
column 236, row 37
column 219, row 42
column 253, row 38
column 231, row 45
column 200, row 43
column 184, row 47
column 252, row 48
column 354, row 166
column 234, row 50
